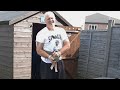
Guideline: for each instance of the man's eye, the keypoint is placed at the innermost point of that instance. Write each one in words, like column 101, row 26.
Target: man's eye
column 50, row 18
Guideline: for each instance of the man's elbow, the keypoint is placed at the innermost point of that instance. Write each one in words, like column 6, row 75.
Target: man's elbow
column 68, row 46
column 37, row 51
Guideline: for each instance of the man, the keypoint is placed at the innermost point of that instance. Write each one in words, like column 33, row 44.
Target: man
column 52, row 42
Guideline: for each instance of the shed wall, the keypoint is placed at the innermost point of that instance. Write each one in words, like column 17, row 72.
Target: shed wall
column 6, row 52
column 23, row 47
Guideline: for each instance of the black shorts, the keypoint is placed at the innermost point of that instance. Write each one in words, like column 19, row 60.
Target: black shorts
column 47, row 73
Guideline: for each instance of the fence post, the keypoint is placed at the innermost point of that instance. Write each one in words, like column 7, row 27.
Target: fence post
column 89, row 52
column 109, row 34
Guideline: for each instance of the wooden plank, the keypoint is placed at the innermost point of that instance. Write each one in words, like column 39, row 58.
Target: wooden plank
column 6, row 63
column 6, row 68
column 6, row 49
column 21, row 65
column 23, row 24
column 22, row 44
column 22, row 34
column 19, row 54
column 22, row 49
column 22, row 60
column 6, row 33
column 21, row 70
column 75, row 42
column 34, row 19
column 6, row 72
column 22, row 39
column 23, row 77
column 6, row 59
column 6, row 28
column 22, row 29
column 6, row 76
column 7, row 39
column 6, row 54
column 6, row 44
column 26, row 72
column 3, row 33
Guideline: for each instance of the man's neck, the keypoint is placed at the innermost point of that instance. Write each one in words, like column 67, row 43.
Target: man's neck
column 50, row 27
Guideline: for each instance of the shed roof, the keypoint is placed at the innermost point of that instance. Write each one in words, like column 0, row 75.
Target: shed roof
column 100, row 18
column 12, row 17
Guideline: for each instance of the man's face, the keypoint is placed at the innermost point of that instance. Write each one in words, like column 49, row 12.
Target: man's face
column 50, row 20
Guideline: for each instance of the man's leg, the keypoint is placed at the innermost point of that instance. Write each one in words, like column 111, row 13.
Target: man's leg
column 46, row 72
column 61, row 70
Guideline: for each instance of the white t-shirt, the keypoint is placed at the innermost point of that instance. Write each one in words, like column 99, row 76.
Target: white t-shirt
column 52, row 40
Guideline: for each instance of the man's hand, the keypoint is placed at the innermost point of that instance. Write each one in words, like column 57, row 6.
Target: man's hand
column 51, row 58
column 54, row 63
column 56, row 54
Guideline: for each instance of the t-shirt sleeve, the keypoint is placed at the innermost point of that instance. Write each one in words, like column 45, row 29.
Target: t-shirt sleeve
column 40, row 37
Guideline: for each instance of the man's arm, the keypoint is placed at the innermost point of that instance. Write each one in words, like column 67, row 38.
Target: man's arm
column 66, row 46
column 41, row 52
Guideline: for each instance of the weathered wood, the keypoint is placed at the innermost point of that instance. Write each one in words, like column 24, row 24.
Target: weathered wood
column 6, row 54
column 22, row 50
column 6, row 44
column 19, row 54
column 72, row 55
column 23, row 24
column 22, row 44
column 74, row 42
column 22, row 34
column 7, row 39
column 22, row 39
column 22, row 29
column 6, row 49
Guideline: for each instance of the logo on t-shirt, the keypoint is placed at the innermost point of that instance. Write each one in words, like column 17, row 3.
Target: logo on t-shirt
column 58, row 36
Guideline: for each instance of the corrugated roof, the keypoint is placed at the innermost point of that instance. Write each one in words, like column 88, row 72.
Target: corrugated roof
column 100, row 18
column 11, row 17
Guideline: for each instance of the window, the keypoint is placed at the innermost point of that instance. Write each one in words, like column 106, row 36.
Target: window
column 107, row 27
column 92, row 27
column 42, row 19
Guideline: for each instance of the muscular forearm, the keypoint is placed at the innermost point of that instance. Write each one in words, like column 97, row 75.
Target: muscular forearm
column 42, row 53
column 64, row 49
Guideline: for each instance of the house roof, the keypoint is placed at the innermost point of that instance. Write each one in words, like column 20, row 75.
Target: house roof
column 62, row 19
column 100, row 18
column 12, row 17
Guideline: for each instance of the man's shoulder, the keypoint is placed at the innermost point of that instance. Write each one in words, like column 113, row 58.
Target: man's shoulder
column 60, row 29
column 42, row 30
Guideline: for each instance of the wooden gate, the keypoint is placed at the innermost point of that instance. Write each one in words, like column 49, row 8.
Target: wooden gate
column 71, row 56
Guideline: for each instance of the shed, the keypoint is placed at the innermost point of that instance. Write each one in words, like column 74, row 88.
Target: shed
column 17, row 41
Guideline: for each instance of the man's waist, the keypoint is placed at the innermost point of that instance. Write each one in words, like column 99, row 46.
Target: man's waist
column 49, row 52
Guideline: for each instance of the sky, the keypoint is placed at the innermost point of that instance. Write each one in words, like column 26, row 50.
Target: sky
column 77, row 18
